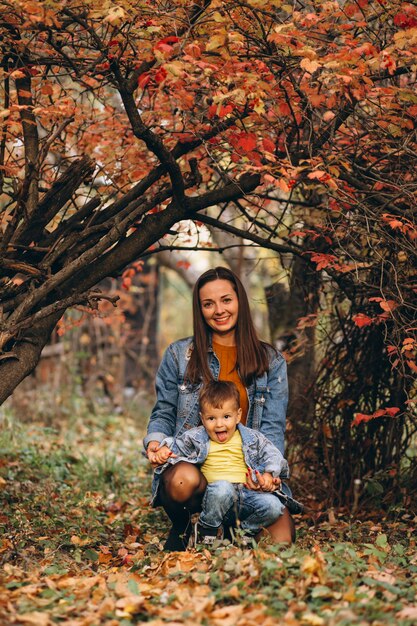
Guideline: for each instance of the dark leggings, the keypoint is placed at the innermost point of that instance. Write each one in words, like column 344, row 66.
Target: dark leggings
column 181, row 492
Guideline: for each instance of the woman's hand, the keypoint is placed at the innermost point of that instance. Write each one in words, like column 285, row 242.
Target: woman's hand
column 265, row 482
column 158, row 455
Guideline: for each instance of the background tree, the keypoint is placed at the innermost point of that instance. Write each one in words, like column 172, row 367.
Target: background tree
column 121, row 121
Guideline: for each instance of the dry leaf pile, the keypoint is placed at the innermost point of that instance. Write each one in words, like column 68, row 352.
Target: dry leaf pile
column 81, row 547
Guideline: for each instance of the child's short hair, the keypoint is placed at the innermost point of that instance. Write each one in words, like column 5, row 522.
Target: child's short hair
column 217, row 392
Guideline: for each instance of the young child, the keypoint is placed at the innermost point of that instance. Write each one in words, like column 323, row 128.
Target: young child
column 226, row 453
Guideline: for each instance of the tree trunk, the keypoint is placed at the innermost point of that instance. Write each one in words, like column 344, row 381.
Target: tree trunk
column 25, row 355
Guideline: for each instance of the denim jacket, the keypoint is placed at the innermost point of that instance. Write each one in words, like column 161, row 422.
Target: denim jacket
column 259, row 453
column 176, row 409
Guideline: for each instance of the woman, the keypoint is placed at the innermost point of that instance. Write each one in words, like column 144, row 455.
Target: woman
column 225, row 346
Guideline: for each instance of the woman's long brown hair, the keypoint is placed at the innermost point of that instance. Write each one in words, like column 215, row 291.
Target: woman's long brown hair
column 252, row 356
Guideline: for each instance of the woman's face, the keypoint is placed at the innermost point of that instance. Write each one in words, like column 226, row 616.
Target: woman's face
column 219, row 306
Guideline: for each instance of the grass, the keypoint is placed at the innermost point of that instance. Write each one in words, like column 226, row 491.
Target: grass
column 80, row 546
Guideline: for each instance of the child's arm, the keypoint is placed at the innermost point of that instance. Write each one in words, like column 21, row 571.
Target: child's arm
column 172, row 447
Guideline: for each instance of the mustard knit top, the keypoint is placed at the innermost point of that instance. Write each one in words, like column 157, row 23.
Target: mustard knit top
column 227, row 356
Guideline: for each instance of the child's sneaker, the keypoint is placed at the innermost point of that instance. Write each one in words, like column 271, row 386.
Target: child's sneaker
column 206, row 535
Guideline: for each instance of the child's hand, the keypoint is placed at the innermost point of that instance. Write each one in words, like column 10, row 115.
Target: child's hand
column 277, row 483
column 159, row 456
column 265, row 482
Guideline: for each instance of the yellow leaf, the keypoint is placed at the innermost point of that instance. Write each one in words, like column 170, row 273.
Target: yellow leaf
column 311, row 619
column 77, row 541
column 115, row 16
column 176, row 68
column 218, row 17
column 218, row 41
column 310, row 565
column 349, row 595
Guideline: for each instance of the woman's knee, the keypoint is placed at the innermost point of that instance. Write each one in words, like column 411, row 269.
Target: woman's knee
column 283, row 530
column 182, row 481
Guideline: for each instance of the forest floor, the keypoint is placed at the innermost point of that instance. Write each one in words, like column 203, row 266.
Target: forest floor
column 80, row 546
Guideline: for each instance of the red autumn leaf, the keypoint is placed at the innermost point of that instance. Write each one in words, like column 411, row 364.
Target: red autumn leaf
column 268, row 144
column 247, row 141
column 220, row 110
column 169, row 39
column 143, row 80
column 388, row 305
column 284, row 109
column 392, row 410
column 412, row 365
column 161, row 75
column 317, row 174
column 184, row 264
column 361, row 417
column 165, row 48
column 323, row 260
column 225, row 110
column 362, row 320
column 396, row 224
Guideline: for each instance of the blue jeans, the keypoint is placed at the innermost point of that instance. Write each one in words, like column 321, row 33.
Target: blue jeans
column 226, row 503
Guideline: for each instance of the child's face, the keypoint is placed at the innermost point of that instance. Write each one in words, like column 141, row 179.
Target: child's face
column 220, row 424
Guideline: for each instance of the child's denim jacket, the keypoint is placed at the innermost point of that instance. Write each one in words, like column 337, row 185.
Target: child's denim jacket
column 176, row 409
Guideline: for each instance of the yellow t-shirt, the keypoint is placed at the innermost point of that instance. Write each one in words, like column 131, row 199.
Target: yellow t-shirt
column 225, row 461
column 227, row 356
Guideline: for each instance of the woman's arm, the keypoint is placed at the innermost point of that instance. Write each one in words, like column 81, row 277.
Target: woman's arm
column 163, row 418
column 276, row 401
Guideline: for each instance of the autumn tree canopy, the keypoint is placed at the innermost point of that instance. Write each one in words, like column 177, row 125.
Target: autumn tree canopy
column 119, row 121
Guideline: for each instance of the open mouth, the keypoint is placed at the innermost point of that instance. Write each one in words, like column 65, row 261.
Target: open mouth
column 222, row 436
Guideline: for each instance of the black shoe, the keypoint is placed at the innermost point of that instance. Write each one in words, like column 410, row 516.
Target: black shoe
column 177, row 541
column 228, row 533
column 294, row 507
